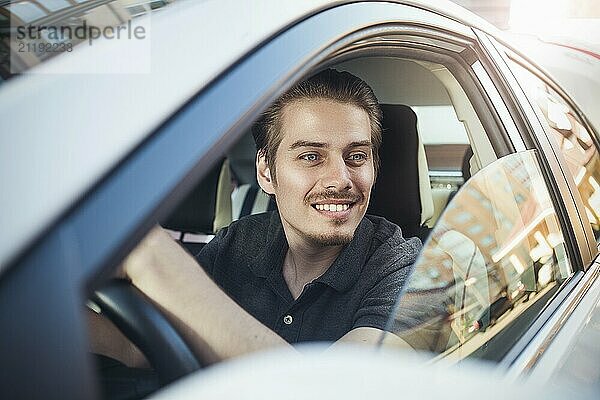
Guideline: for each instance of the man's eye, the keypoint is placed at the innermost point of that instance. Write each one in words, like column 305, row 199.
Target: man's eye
column 309, row 157
column 357, row 157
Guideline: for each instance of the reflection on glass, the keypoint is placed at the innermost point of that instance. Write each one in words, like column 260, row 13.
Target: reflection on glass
column 582, row 159
column 26, row 11
column 59, row 19
column 574, row 141
column 54, row 5
column 470, row 285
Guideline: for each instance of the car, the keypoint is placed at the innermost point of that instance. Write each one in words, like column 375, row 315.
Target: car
column 484, row 157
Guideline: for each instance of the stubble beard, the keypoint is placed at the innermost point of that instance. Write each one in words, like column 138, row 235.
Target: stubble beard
column 331, row 238
column 327, row 240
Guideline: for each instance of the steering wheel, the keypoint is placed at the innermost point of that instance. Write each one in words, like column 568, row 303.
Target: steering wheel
column 139, row 320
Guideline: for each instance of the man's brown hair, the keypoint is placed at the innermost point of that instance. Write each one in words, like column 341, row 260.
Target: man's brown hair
column 329, row 84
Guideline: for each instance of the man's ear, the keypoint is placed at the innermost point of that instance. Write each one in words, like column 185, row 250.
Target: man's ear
column 263, row 174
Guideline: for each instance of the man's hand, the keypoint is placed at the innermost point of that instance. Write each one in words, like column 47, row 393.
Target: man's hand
column 372, row 337
column 153, row 256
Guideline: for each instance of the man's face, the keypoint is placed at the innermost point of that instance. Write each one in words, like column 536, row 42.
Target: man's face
column 324, row 171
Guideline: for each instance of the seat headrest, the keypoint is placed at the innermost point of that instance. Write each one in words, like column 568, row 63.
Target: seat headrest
column 242, row 157
column 466, row 163
column 196, row 213
column 402, row 191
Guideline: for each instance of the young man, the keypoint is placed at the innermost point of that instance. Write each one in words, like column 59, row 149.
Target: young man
column 317, row 269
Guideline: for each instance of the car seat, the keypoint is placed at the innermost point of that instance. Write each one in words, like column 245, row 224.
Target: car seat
column 402, row 191
column 192, row 222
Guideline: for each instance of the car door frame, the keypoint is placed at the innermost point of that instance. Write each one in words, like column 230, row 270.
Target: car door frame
column 541, row 341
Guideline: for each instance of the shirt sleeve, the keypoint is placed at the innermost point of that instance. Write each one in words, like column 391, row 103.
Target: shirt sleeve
column 421, row 319
column 391, row 268
column 208, row 255
column 377, row 306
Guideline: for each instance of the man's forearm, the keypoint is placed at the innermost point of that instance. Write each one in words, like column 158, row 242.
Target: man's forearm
column 212, row 323
column 107, row 340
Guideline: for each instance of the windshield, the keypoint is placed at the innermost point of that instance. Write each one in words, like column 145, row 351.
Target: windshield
column 492, row 262
column 35, row 31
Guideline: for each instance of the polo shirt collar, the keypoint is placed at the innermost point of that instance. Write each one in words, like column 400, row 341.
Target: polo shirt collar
column 342, row 274
column 269, row 258
column 345, row 270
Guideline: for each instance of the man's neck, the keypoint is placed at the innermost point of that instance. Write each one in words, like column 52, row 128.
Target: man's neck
column 304, row 262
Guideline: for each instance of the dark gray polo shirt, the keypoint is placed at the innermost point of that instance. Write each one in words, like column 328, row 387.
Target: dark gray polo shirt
column 358, row 290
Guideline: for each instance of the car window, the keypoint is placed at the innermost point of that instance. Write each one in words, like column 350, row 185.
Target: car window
column 494, row 259
column 574, row 141
column 447, row 122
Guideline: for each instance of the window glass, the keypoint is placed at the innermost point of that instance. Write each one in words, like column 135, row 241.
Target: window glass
column 444, row 137
column 481, row 281
column 26, row 11
column 575, row 142
column 448, row 152
column 433, row 120
column 47, row 28
column 54, row 5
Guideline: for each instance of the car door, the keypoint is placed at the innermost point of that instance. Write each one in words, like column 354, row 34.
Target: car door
column 574, row 142
column 509, row 310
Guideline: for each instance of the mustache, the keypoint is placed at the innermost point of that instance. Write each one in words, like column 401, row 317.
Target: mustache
column 334, row 195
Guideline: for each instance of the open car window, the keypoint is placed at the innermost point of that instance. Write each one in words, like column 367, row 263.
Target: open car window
column 493, row 261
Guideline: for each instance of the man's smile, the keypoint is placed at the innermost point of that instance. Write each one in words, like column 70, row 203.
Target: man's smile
column 331, row 207
column 334, row 204
column 339, row 209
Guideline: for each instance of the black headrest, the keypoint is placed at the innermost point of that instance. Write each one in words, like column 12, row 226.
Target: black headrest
column 242, row 158
column 466, row 163
column 396, row 194
column 196, row 213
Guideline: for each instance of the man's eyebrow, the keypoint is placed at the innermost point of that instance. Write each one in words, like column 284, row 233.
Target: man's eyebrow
column 360, row 144
column 306, row 143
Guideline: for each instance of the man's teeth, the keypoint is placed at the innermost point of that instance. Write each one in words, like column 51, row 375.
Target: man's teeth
column 332, row 207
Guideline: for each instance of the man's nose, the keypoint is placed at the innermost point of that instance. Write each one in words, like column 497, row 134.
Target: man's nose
column 336, row 175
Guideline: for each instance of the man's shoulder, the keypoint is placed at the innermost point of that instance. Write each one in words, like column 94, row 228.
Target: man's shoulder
column 253, row 221
column 245, row 237
column 389, row 243
column 251, row 228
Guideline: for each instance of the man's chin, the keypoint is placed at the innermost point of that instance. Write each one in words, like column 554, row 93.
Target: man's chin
column 331, row 239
